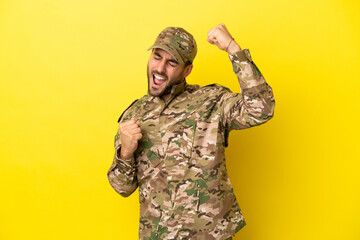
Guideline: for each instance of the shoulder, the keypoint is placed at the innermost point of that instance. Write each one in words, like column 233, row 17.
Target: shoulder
column 126, row 110
column 216, row 87
column 207, row 88
column 212, row 91
column 209, row 93
column 133, row 105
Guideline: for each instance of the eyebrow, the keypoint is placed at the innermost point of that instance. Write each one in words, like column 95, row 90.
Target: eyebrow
column 174, row 61
column 170, row 60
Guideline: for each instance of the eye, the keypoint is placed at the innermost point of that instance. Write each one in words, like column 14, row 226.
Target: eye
column 173, row 63
column 157, row 56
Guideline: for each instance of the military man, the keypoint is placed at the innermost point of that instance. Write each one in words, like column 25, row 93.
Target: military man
column 171, row 142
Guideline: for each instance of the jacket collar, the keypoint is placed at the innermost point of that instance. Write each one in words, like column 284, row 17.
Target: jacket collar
column 175, row 91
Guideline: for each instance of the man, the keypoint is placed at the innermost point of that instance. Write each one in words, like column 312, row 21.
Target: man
column 171, row 142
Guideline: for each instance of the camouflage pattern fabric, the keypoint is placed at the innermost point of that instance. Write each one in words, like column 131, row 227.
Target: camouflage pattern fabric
column 178, row 42
column 179, row 166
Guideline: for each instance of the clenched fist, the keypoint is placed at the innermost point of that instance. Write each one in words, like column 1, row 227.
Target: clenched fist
column 221, row 37
column 130, row 134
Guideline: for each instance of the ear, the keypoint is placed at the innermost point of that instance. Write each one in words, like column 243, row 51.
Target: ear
column 188, row 70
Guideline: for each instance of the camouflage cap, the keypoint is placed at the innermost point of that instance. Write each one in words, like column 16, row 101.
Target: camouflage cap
column 178, row 42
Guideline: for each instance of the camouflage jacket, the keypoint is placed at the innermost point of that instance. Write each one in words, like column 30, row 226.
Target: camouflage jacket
column 179, row 166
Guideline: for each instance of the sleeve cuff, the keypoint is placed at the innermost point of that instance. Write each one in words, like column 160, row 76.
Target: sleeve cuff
column 241, row 56
column 129, row 162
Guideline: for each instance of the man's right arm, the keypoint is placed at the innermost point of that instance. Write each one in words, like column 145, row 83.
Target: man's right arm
column 122, row 173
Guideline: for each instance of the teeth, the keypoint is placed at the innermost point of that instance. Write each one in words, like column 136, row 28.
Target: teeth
column 158, row 80
column 158, row 77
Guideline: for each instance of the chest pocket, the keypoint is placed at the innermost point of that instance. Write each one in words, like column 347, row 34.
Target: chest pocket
column 179, row 138
column 148, row 155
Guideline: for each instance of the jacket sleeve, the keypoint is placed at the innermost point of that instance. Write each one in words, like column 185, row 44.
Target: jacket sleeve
column 122, row 173
column 255, row 104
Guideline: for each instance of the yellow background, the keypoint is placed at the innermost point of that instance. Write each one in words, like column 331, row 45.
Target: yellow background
column 69, row 68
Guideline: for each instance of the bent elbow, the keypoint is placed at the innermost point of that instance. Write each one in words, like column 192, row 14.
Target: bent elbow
column 126, row 194
column 268, row 110
column 122, row 186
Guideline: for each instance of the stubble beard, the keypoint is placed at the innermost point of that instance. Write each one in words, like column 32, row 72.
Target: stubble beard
column 168, row 84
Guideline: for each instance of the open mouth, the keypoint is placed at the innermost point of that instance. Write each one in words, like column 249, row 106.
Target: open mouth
column 158, row 80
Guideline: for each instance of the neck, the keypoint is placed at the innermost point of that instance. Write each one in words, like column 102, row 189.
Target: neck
column 171, row 91
column 165, row 97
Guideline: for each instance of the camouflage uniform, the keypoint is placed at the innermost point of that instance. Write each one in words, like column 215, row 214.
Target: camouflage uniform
column 179, row 166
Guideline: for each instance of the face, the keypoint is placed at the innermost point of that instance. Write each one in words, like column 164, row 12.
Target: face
column 164, row 72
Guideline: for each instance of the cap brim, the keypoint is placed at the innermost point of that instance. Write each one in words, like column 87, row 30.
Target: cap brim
column 172, row 52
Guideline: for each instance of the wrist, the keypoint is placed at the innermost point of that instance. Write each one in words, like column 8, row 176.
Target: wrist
column 125, row 156
column 120, row 153
column 233, row 48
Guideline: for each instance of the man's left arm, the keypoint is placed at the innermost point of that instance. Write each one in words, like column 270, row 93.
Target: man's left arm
column 255, row 105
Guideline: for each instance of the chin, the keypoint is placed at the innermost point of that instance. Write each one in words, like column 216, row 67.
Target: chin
column 156, row 93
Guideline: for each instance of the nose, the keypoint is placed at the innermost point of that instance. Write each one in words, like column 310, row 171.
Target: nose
column 161, row 67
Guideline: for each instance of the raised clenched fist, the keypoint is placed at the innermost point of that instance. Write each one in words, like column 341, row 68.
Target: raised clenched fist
column 221, row 37
column 130, row 134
